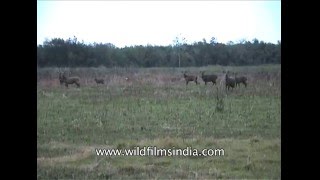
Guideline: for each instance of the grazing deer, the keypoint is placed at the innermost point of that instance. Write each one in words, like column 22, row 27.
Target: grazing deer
column 69, row 80
column 190, row 78
column 209, row 78
column 99, row 81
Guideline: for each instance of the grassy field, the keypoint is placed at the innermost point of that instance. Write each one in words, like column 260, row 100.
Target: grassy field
column 154, row 107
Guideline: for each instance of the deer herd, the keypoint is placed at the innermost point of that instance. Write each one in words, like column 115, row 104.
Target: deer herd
column 230, row 82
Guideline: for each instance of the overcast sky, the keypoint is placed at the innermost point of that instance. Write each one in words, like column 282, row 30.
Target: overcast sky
column 126, row 23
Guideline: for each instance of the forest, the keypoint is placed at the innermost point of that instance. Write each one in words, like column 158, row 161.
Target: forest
column 58, row 52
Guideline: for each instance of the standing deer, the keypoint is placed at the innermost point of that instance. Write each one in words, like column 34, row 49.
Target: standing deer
column 209, row 78
column 99, row 81
column 230, row 82
column 241, row 79
column 190, row 78
column 69, row 80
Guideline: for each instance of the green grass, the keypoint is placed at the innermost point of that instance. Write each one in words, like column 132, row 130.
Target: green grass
column 152, row 111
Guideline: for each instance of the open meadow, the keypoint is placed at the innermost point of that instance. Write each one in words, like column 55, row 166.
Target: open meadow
column 154, row 107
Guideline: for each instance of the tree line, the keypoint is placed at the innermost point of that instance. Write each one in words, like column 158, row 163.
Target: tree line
column 58, row 52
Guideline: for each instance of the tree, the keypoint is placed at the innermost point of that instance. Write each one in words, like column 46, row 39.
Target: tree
column 72, row 53
column 178, row 44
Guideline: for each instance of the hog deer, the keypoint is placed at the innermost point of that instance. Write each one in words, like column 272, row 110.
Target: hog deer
column 99, row 81
column 209, row 78
column 230, row 82
column 190, row 78
column 241, row 79
column 69, row 80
